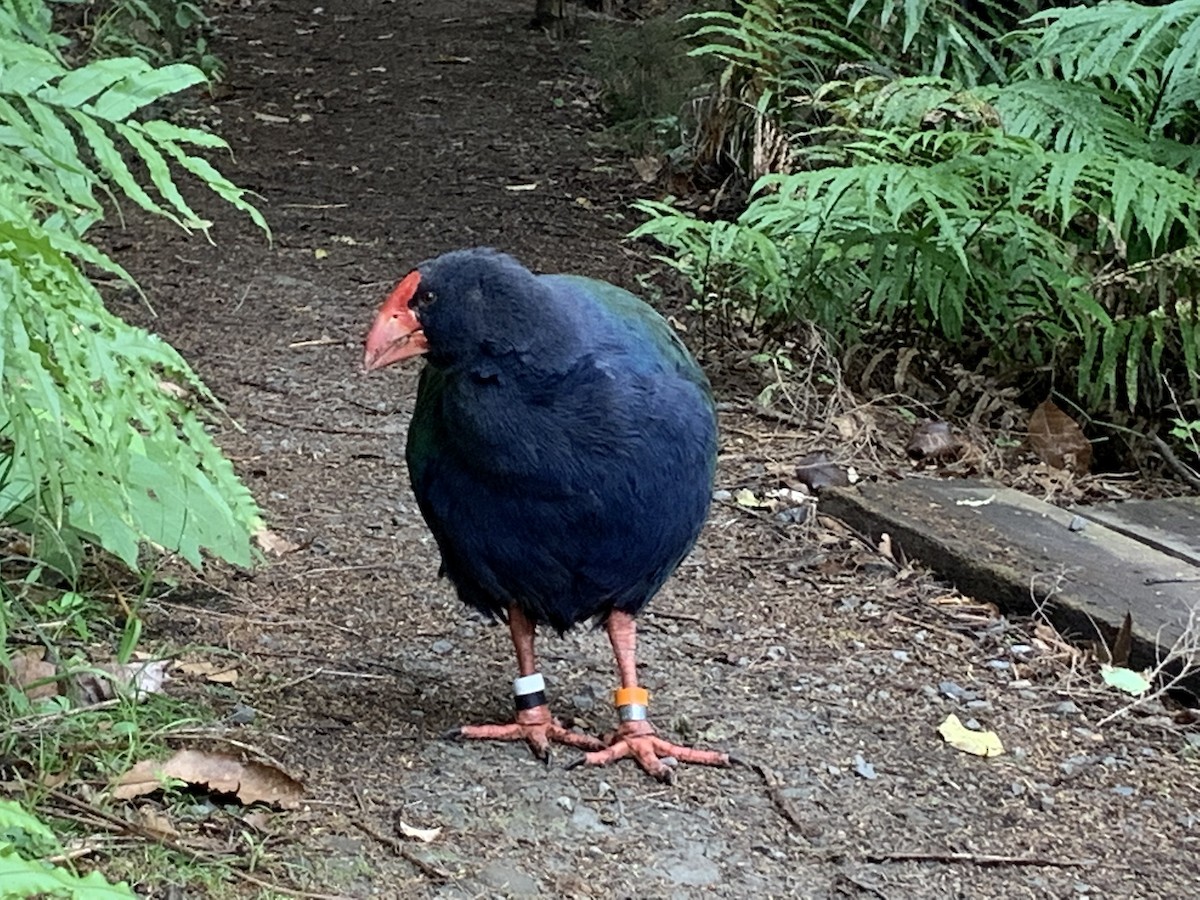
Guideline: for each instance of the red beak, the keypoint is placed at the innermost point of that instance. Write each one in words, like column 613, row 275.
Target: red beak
column 397, row 333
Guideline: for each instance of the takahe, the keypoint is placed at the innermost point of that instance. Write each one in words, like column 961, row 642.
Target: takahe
column 562, row 451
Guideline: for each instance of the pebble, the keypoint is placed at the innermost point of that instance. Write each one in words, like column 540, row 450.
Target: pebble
column 793, row 515
column 1077, row 523
column 442, row 646
column 722, row 495
column 242, row 714
column 956, row 692
column 999, row 664
column 900, row 655
column 864, row 768
column 979, row 705
column 1123, row 790
column 1066, row 708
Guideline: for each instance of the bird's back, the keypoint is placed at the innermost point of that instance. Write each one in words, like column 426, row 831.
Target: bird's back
column 574, row 489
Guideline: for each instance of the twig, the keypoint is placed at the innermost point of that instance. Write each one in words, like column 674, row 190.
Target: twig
column 326, row 429
column 979, row 859
column 774, row 785
column 32, row 723
column 124, row 826
column 1183, row 471
column 439, row 875
column 317, row 342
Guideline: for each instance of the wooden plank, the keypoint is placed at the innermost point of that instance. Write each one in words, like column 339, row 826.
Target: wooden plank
column 1000, row 545
column 1172, row 526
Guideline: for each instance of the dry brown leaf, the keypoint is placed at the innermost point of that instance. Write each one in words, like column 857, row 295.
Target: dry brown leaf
column 932, row 441
column 30, row 667
column 223, row 773
column 270, row 542
column 420, row 834
column 258, row 819
column 149, row 817
column 220, row 674
column 817, row 471
column 109, row 680
column 1058, row 440
column 648, row 168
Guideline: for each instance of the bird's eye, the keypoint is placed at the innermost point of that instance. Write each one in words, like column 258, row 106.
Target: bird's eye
column 421, row 300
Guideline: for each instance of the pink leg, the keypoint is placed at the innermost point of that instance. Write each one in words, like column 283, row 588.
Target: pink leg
column 637, row 739
column 535, row 726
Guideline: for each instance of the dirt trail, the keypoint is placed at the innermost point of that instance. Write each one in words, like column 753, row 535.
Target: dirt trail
column 381, row 133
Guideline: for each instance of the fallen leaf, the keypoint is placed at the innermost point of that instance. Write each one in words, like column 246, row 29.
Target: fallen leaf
column 817, row 471
column 320, row 253
column 521, row 187
column 648, row 168
column 1124, row 679
column 170, row 388
column 932, row 441
column 270, row 542
column 149, row 817
column 1058, row 440
column 1122, row 643
column 110, row 680
column 421, row 834
column 210, row 671
column 30, row 672
column 978, row 743
column 746, row 497
column 223, row 773
column 976, row 501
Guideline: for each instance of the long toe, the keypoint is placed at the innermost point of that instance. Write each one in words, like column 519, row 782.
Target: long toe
column 538, row 735
column 656, row 756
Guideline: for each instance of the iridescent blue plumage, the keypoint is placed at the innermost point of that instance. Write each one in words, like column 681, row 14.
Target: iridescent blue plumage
column 563, row 444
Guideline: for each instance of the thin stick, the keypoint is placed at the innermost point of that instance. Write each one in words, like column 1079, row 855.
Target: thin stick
column 439, row 875
column 979, row 859
column 1175, row 462
column 124, row 826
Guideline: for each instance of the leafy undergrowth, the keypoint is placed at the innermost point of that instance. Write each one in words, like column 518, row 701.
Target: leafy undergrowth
column 1015, row 184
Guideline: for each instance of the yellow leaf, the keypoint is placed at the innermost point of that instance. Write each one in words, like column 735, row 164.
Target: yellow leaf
column 320, row 253
column 978, row 743
column 745, row 497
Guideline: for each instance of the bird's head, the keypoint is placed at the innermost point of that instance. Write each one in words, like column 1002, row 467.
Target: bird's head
column 457, row 308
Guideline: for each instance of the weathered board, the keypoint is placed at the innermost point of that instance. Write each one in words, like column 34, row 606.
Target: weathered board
column 1172, row 526
column 1003, row 546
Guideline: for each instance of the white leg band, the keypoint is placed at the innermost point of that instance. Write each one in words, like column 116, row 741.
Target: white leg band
column 528, row 684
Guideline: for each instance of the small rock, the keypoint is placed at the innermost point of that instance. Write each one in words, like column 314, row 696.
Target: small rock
column 722, row 495
column 979, row 705
column 900, row 655
column 1017, row 788
column 1123, row 790
column 793, row 515
column 1077, row 523
column 442, row 646
column 242, row 714
column 973, row 725
column 956, row 692
column 566, row 803
column 1066, row 708
column 999, row 664
column 864, row 768
column 1020, row 649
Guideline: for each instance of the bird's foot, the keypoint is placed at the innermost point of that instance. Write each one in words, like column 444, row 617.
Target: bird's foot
column 536, row 727
column 655, row 755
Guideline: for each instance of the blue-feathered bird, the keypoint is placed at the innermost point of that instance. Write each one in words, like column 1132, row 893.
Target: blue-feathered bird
column 562, row 452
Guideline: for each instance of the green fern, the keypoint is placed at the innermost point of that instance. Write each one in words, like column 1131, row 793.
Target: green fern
column 99, row 444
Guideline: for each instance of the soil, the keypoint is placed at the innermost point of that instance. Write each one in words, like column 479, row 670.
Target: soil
column 381, row 133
